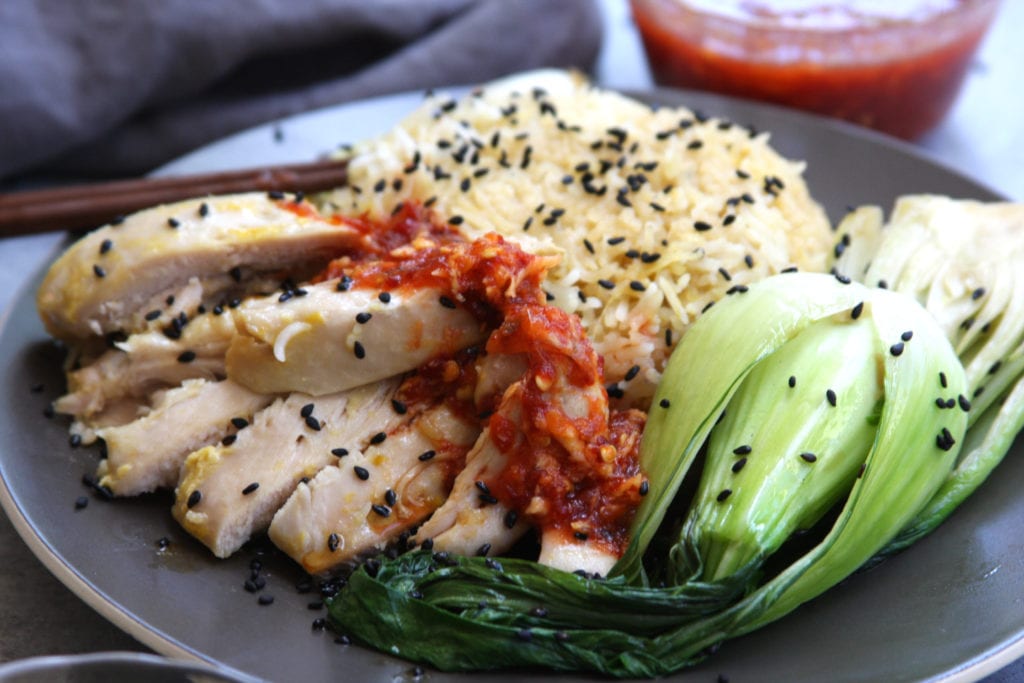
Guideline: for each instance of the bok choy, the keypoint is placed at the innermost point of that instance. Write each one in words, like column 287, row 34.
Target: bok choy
column 963, row 260
column 811, row 401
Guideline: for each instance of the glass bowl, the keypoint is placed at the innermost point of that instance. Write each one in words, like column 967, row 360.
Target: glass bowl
column 893, row 65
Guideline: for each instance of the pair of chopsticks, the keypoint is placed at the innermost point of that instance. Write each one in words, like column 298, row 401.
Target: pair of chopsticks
column 89, row 206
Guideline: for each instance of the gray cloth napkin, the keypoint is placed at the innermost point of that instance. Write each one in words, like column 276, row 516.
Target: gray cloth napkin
column 116, row 87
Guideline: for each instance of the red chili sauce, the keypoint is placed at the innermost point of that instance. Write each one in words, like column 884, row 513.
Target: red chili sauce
column 584, row 469
column 898, row 75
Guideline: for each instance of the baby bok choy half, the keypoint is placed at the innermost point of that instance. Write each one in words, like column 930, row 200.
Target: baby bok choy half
column 810, row 401
column 963, row 260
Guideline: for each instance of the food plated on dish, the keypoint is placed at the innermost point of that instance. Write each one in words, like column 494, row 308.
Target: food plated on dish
column 494, row 356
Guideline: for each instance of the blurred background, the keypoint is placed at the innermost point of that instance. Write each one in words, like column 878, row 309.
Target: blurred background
column 73, row 108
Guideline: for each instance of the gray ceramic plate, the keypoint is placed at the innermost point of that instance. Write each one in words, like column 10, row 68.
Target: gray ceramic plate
column 950, row 607
column 104, row 667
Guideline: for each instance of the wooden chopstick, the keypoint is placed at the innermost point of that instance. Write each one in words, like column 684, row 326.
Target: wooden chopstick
column 92, row 205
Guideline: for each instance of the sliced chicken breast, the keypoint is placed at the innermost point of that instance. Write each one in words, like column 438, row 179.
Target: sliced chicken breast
column 370, row 497
column 102, row 282
column 228, row 492
column 150, row 361
column 327, row 341
column 472, row 521
column 147, row 453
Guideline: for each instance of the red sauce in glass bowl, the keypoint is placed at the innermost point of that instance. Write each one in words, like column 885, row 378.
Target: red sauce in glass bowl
column 896, row 66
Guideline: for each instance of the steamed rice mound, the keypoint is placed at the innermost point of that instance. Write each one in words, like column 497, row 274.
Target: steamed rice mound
column 656, row 214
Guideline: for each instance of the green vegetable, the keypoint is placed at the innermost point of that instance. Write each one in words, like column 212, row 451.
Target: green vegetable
column 881, row 452
column 964, row 262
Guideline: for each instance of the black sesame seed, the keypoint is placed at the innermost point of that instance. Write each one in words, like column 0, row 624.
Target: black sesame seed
column 361, row 472
column 808, row 457
column 358, row 350
column 398, row 406
column 363, row 317
column 664, row 403
column 193, row 499
column 307, row 410
column 382, row 510
column 637, row 286
column 965, row 405
column 739, row 464
column 483, row 550
column 173, row 222
column 745, row 449
column 378, row 438
column 105, row 246
column 830, row 396
column 612, row 241
column 511, row 517
column 580, row 536
column 153, row 315
column 857, row 310
column 456, row 220
column 606, row 284
column 228, row 440
column 978, row 293
column 445, row 301
column 81, row 502
column 265, row 600
column 723, row 495
column 907, row 336
column 632, row 372
column 896, row 349
column 390, row 497
column 426, row 455
column 345, row 283
column 645, row 488
column 588, row 245
column 99, row 271
column 942, row 380
column 701, row 226
column 737, row 289
column 313, row 423
column 250, row 488
column 275, row 194
column 340, row 452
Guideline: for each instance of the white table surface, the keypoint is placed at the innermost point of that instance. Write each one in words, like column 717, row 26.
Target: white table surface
column 983, row 138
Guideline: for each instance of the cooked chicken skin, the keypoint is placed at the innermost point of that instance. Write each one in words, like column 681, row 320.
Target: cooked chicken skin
column 327, row 341
column 339, row 516
column 285, row 443
column 104, row 281
column 147, row 453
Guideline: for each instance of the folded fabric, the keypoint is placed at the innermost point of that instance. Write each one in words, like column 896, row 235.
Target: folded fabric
column 115, row 87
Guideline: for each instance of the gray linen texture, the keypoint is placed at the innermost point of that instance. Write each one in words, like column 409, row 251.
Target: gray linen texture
column 102, row 88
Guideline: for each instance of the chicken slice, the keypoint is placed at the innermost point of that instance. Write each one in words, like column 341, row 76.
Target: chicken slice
column 112, row 276
column 228, row 492
column 147, row 453
column 472, row 521
column 149, row 361
column 327, row 341
column 339, row 516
